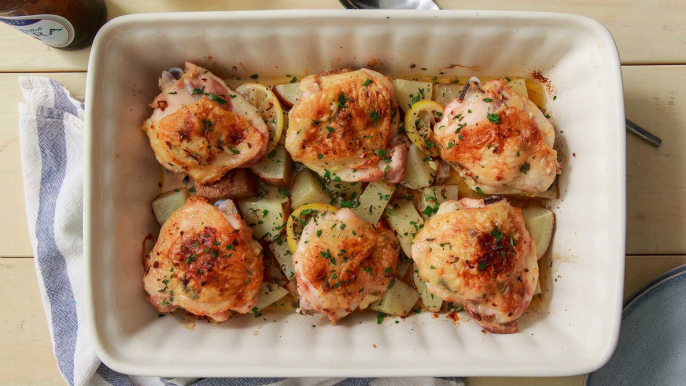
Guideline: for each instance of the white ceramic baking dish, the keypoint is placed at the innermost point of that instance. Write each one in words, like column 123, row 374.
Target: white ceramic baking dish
column 573, row 331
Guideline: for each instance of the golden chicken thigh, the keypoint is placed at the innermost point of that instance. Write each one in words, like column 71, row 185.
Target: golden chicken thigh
column 205, row 261
column 499, row 141
column 480, row 254
column 202, row 128
column 343, row 263
column 344, row 126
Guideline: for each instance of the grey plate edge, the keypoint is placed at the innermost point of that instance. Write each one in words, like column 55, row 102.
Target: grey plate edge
column 645, row 290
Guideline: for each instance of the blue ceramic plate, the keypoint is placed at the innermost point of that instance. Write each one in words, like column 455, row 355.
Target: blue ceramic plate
column 652, row 339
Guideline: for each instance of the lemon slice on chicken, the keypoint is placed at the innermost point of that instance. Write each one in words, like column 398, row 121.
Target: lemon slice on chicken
column 419, row 122
column 298, row 218
column 268, row 106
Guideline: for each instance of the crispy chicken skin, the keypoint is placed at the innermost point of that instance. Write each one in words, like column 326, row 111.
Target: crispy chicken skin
column 498, row 140
column 202, row 128
column 343, row 127
column 205, row 261
column 343, row 263
column 482, row 256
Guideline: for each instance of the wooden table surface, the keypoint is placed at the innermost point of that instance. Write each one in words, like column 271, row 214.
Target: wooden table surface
column 651, row 37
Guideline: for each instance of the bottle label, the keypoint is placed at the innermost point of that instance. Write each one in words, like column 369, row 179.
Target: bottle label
column 52, row 30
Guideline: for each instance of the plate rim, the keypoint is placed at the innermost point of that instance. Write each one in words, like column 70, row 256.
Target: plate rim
column 664, row 279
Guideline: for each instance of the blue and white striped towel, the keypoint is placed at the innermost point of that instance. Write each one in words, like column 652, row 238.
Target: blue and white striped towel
column 51, row 132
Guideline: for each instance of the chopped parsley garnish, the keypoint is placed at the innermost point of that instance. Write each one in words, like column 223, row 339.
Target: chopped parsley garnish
column 525, row 168
column 330, row 129
column 497, row 234
column 380, row 152
column 482, row 265
column 495, row 118
column 198, row 90
column 284, row 191
column 379, row 318
column 253, row 76
column 191, row 189
column 215, row 98
column 341, row 100
column 388, row 270
column 256, row 312
column 191, row 258
column 392, row 284
column 350, row 204
column 366, row 82
column 478, row 190
column 374, row 115
column 430, row 210
column 206, row 124
column 488, row 100
column 234, row 151
column 294, row 80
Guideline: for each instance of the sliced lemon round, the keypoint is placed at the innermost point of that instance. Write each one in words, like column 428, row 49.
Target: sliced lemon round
column 268, row 106
column 419, row 122
column 294, row 219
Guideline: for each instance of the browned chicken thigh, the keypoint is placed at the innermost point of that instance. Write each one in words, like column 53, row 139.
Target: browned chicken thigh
column 479, row 253
column 499, row 141
column 344, row 127
column 343, row 263
column 202, row 128
column 205, row 261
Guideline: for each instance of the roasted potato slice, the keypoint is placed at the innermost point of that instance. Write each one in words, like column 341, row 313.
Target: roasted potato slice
column 398, row 300
column 445, row 93
column 166, row 203
column 404, row 220
column 420, row 169
column 276, row 168
column 308, row 189
column 237, row 183
column 540, row 223
column 288, row 94
column 432, row 302
column 266, row 216
column 432, row 197
column 409, row 92
column 373, row 201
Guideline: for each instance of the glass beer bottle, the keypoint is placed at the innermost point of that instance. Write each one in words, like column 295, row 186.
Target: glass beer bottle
column 63, row 24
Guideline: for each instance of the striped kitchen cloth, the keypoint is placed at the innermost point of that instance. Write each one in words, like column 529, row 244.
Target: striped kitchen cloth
column 51, row 132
